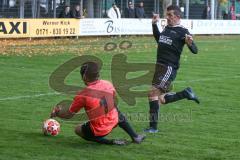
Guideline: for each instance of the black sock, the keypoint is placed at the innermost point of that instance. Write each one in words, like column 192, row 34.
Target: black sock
column 103, row 140
column 154, row 110
column 99, row 139
column 123, row 123
column 173, row 97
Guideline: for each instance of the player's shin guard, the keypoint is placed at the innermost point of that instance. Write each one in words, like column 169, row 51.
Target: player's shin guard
column 123, row 123
column 154, row 111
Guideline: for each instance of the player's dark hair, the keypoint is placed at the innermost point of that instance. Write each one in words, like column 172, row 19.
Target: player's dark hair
column 176, row 9
column 90, row 70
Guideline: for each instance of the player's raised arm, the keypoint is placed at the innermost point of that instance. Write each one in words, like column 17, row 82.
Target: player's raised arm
column 156, row 32
column 190, row 43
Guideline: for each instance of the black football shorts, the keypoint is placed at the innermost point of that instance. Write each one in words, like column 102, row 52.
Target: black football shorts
column 88, row 133
column 163, row 77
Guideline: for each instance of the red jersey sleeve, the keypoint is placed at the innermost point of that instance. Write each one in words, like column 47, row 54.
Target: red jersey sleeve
column 77, row 104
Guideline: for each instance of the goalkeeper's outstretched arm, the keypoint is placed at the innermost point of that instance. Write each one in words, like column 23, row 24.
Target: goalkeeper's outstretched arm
column 58, row 111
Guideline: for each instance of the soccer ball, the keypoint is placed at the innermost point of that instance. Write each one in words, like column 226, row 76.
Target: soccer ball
column 51, row 127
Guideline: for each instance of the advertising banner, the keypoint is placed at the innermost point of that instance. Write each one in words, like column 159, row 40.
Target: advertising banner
column 54, row 27
column 115, row 26
column 216, row 27
column 91, row 27
column 19, row 28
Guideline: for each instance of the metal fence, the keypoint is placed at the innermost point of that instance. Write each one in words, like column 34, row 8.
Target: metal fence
column 192, row 9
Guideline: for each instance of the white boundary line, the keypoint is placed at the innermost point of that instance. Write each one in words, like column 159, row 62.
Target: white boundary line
column 56, row 93
column 29, row 96
column 208, row 79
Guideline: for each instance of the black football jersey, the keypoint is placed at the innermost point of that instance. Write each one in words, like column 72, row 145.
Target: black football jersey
column 170, row 44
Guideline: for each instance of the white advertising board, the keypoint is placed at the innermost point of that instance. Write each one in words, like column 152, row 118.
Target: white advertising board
column 92, row 27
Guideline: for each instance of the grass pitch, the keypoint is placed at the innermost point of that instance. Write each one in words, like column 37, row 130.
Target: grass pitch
column 187, row 130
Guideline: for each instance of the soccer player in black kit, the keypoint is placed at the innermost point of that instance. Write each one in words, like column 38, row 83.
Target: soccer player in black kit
column 170, row 45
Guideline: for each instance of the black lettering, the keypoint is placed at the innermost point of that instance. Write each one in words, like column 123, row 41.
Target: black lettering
column 110, row 26
column 14, row 28
column 24, row 27
column 103, row 103
column 3, row 28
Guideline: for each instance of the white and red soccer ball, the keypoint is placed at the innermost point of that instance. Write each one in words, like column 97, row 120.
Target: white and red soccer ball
column 51, row 127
